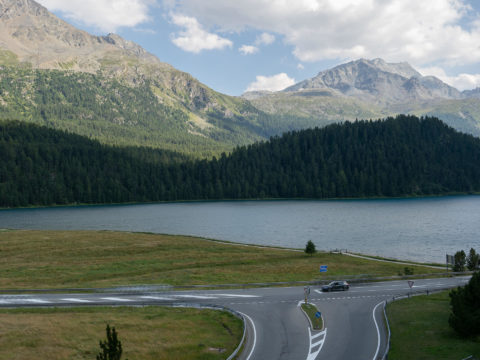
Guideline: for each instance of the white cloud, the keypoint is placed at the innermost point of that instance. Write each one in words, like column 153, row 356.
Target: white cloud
column 106, row 15
column 271, row 83
column 194, row 38
column 420, row 32
column 300, row 66
column 460, row 81
column 264, row 39
column 248, row 49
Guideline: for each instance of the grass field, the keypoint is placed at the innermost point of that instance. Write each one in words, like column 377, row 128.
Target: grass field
column 60, row 259
column 146, row 333
column 420, row 330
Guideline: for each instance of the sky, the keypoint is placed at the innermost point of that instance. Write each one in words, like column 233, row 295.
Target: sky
column 235, row 46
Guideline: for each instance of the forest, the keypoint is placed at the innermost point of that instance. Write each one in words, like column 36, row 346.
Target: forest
column 393, row 157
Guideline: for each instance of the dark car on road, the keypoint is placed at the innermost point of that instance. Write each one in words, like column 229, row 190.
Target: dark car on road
column 336, row 285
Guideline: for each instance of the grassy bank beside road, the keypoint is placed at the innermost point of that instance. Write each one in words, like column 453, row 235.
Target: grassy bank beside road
column 60, row 259
column 420, row 330
column 148, row 333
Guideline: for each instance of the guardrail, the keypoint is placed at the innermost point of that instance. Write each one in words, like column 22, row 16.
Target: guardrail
column 362, row 278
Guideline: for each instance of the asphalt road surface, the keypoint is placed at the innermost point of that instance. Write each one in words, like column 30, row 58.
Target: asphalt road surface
column 276, row 326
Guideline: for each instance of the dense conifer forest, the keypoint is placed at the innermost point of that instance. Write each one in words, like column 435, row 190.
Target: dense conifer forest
column 402, row 156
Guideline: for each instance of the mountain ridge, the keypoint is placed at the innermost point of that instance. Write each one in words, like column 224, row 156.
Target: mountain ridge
column 373, row 89
column 379, row 82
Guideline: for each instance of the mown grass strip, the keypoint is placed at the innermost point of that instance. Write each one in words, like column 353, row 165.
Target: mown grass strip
column 311, row 311
column 420, row 330
column 148, row 333
column 77, row 259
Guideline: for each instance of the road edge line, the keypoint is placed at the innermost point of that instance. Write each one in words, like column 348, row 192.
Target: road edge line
column 254, row 334
column 378, row 329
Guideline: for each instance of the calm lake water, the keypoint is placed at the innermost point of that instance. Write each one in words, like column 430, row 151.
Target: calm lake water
column 422, row 229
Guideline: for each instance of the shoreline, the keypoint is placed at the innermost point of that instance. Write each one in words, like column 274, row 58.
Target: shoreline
column 375, row 198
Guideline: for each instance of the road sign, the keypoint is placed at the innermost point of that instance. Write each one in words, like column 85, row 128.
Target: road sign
column 323, row 268
column 318, row 314
column 410, row 283
column 306, row 289
column 450, row 259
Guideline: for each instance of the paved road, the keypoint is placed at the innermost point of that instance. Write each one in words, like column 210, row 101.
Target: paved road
column 277, row 329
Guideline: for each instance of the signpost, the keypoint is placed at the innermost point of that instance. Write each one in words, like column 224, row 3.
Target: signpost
column 318, row 314
column 306, row 291
column 450, row 260
column 323, row 268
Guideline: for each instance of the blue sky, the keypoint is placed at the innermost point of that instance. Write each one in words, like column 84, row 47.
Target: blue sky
column 233, row 46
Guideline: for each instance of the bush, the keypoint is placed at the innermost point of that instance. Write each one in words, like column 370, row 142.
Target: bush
column 465, row 306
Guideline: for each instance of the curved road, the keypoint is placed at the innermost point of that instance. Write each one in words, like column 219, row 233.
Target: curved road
column 277, row 328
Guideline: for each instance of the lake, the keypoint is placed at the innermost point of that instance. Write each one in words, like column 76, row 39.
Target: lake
column 421, row 229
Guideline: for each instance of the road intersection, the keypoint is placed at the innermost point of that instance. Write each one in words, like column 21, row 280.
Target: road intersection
column 276, row 326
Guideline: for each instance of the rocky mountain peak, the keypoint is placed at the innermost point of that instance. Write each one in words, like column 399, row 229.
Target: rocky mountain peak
column 378, row 81
column 10, row 9
column 40, row 38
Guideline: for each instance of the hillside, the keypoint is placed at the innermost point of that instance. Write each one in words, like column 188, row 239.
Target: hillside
column 111, row 89
column 403, row 156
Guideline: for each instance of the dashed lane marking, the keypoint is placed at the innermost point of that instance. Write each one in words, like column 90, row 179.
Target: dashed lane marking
column 116, row 299
column 200, row 297
column 238, row 295
column 36, row 301
column 76, row 300
column 156, row 298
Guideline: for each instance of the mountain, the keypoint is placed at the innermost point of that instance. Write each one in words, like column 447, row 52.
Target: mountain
column 377, row 81
column 111, row 89
column 373, row 89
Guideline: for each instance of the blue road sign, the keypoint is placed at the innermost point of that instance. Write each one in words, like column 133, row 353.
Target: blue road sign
column 323, row 268
column 318, row 314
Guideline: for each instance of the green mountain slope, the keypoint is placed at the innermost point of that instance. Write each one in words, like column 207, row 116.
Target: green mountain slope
column 111, row 89
column 114, row 112
column 403, row 156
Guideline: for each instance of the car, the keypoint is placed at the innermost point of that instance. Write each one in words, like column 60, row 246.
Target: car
column 336, row 285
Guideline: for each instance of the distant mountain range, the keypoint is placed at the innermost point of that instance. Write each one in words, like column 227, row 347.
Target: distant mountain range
column 374, row 88
column 111, row 89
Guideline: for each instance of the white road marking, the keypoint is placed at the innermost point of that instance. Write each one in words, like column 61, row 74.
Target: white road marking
column 378, row 330
column 238, row 295
column 254, row 336
column 116, row 299
column 76, row 300
column 36, row 301
column 313, row 355
column 156, row 298
column 195, row 297
column 300, row 303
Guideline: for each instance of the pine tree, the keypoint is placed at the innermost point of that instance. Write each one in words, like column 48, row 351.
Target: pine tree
column 465, row 305
column 112, row 347
column 459, row 261
column 472, row 260
column 310, row 248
